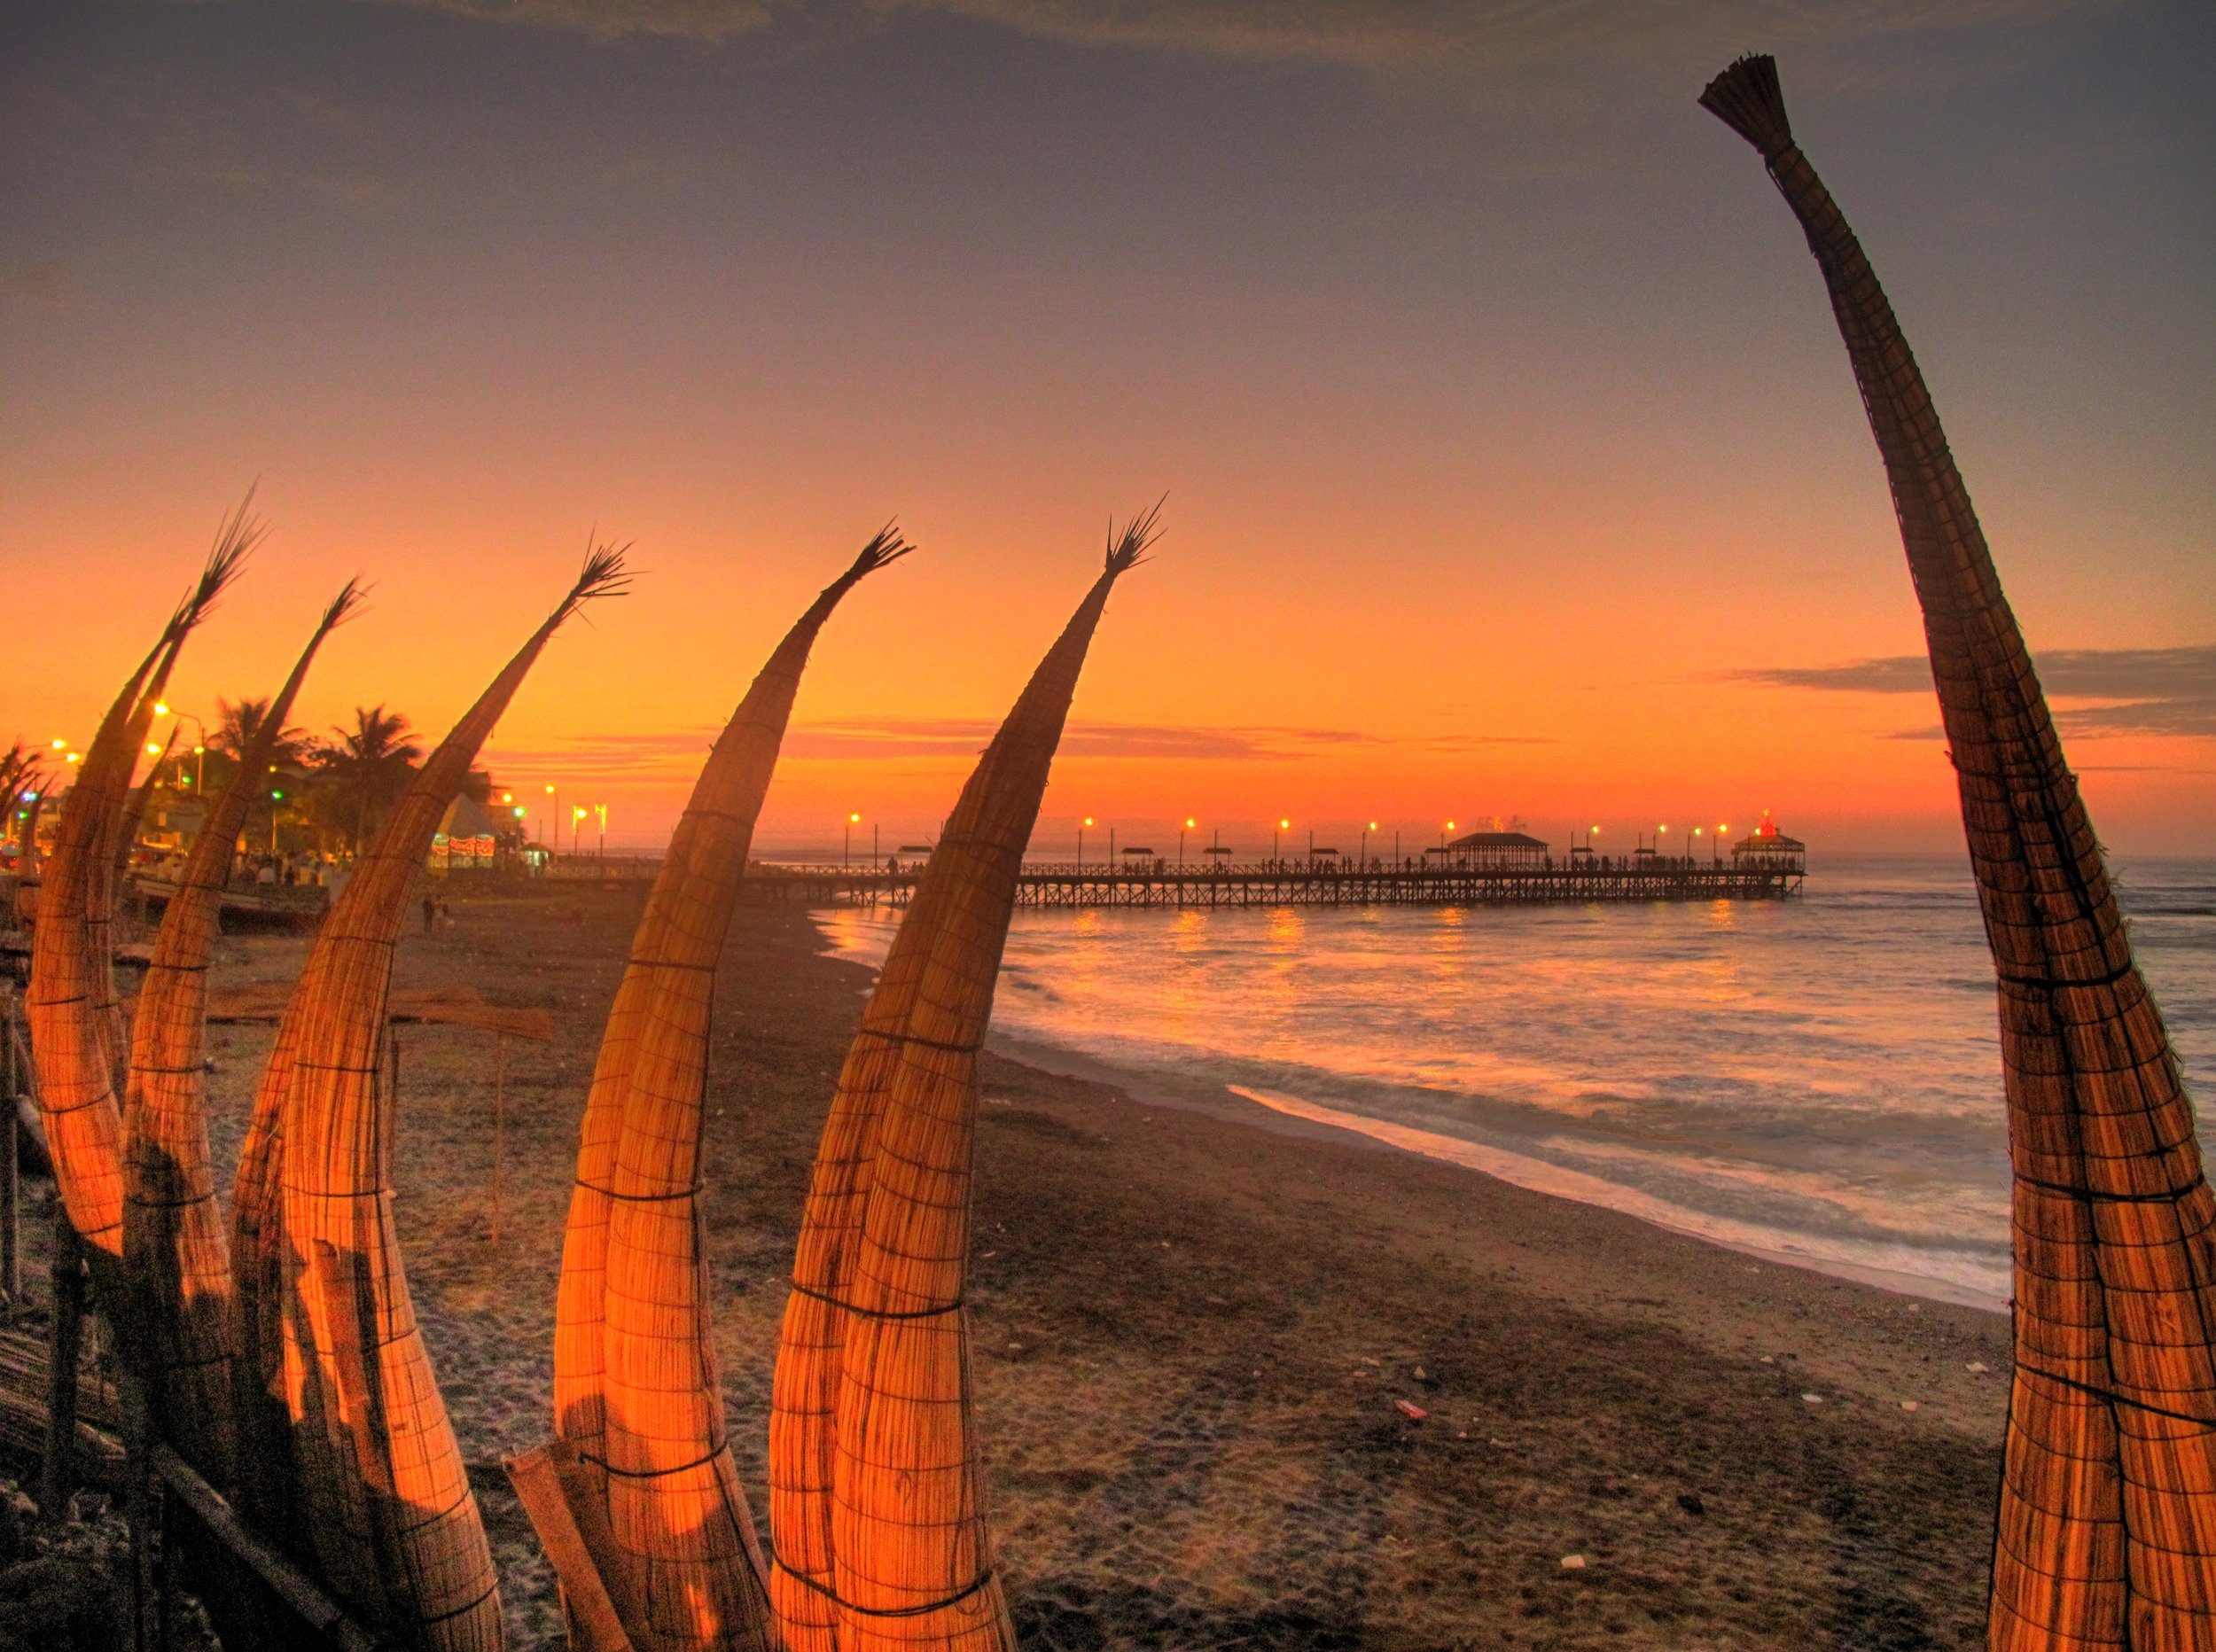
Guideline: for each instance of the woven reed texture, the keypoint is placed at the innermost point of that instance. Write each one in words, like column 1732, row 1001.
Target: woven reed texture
column 876, row 1494
column 2107, row 1530
column 71, row 1002
column 118, row 816
column 636, row 1387
column 174, row 1250
column 378, row 1470
column 260, row 1418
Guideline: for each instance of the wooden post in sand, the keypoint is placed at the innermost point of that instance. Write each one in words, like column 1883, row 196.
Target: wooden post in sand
column 10, row 1180
column 500, row 1097
column 64, row 1343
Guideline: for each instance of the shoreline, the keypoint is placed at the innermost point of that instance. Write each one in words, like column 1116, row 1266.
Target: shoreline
column 1292, row 1116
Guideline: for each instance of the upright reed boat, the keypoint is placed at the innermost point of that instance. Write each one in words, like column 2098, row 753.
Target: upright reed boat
column 636, row 1393
column 174, row 1244
column 875, row 1497
column 77, row 1043
column 2107, row 1530
column 381, row 1488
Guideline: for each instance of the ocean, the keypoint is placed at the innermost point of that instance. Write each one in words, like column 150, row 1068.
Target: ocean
column 1816, row 1080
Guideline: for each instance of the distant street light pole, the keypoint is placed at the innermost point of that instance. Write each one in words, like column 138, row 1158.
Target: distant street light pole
column 1182, row 831
column 1081, row 825
column 199, row 749
column 551, row 822
column 1281, row 826
column 846, row 852
column 600, row 815
column 1365, row 844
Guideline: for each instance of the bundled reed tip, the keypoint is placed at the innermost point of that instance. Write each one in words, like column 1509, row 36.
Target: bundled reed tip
column 604, row 574
column 352, row 599
column 885, row 546
column 236, row 537
column 1128, row 549
column 1747, row 98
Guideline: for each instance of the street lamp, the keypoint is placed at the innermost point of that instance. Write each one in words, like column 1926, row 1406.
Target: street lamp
column 1081, row 825
column 1281, row 826
column 551, row 821
column 199, row 749
column 600, row 812
column 1182, row 831
column 846, row 853
column 1365, row 844
column 577, row 814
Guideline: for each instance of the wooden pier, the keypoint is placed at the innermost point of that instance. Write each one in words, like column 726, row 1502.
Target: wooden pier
column 1298, row 884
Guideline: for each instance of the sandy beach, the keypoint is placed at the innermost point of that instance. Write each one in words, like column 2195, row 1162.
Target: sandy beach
column 1193, row 1320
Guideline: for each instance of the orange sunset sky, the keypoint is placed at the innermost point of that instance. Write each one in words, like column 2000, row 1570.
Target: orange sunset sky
column 1513, row 465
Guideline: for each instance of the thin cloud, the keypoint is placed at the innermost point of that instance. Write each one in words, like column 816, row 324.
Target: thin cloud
column 46, row 284
column 1421, row 35
column 695, row 19
column 877, row 739
column 1469, row 742
column 1482, row 33
column 2096, row 691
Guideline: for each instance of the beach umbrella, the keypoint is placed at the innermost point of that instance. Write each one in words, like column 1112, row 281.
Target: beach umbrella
column 69, row 1003
column 636, row 1387
column 380, row 1475
column 2107, row 1529
column 174, row 1250
column 875, row 1500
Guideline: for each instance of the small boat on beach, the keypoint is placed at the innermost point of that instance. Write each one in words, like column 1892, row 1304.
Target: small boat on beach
column 277, row 905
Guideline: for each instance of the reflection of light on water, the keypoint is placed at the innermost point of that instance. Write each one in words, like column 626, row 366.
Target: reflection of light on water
column 1826, row 1068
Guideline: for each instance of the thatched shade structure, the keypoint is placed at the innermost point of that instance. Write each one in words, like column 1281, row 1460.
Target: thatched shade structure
column 174, row 1246
column 636, row 1385
column 75, row 1038
column 875, row 1504
column 2107, row 1532
column 379, row 1473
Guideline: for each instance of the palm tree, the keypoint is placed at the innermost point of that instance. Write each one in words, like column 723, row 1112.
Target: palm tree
column 238, row 724
column 370, row 765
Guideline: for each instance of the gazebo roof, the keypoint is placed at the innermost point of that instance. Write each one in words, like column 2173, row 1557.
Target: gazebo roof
column 1498, row 840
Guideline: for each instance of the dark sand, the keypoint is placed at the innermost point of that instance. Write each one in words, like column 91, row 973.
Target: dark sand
column 1191, row 1328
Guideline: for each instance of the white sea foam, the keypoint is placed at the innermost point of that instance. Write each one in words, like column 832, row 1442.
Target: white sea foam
column 1816, row 1081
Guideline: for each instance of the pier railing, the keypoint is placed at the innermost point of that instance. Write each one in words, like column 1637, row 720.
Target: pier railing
column 1160, row 883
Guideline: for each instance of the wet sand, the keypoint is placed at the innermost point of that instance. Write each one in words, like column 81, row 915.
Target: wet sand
column 1191, row 1325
